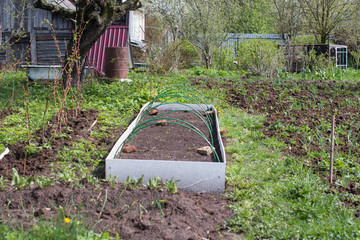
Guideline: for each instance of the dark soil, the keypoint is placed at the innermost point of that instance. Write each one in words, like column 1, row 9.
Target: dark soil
column 133, row 214
column 33, row 164
column 173, row 142
column 320, row 99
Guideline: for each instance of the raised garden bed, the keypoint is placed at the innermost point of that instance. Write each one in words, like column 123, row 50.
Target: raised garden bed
column 170, row 152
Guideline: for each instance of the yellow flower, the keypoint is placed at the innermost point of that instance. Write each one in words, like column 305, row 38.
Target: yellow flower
column 67, row 220
column 242, row 142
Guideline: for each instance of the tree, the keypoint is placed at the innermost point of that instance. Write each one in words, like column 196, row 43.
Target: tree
column 323, row 16
column 204, row 26
column 288, row 22
column 349, row 34
column 92, row 18
column 288, row 19
column 201, row 22
column 248, row 16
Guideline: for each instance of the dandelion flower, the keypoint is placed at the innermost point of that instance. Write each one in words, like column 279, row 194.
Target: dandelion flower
column 67, row 220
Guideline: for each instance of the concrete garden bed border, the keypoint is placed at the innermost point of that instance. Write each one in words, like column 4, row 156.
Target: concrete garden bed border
column 193, row 176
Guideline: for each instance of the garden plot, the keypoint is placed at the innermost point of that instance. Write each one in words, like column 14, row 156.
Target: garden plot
column 169, row 145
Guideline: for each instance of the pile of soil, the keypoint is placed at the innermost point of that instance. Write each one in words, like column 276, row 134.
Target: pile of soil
column 172, row 141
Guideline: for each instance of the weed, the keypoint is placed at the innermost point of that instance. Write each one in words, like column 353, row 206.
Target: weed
column 155, row 183
column 112, row 181
column 141, row 209
column 128, row 208
column 159, row 203
column 21, row 182
column 171, row 186
column 3, row 182
column 43, row 181
column 132, row 184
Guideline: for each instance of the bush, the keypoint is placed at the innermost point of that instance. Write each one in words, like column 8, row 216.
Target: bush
column 304, row 40
column 259, row 57
column 223, row 58
column 188, row 54
column 318, row 62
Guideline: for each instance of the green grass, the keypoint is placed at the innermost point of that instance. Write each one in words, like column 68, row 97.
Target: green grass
column 275, row 196
column 60, row 230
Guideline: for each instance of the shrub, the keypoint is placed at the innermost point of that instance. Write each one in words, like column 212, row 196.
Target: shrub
column 188, row 54
column 259, row 57
column 223, row 58
column 318, row 62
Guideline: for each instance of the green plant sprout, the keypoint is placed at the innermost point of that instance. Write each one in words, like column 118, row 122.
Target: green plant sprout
column 21, row 182
column 132, row 184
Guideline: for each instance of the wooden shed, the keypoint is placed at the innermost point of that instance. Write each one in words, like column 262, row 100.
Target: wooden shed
column 37, row 45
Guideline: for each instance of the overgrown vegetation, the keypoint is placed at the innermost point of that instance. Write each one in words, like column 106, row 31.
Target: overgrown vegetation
column 275, row 195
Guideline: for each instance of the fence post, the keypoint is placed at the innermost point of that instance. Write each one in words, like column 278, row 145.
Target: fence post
column 332, row 149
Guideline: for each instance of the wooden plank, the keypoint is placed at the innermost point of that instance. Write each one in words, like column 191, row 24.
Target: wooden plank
column 33, row 51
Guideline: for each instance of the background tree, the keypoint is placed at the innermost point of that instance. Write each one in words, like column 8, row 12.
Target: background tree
column 204, row 26
column 323, row 16
column 248, row 16
column 348, row 33
column 287, row 18
column 165, row 21
column 92, row 18
column 288, row 23
column 200, row 22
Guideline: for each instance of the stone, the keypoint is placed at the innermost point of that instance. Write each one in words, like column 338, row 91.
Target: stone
column 162, row 122
column 154, row 112
column 223, row 132
column 129, row 149
column 208, row 112
column 204, row 151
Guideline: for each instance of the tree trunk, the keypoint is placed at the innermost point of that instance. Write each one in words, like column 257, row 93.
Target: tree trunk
column 78, row 48
column 323, row 39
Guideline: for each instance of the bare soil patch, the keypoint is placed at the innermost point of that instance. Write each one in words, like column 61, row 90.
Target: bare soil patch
column 172, row 141
column 39, row 163
column 182, row 215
